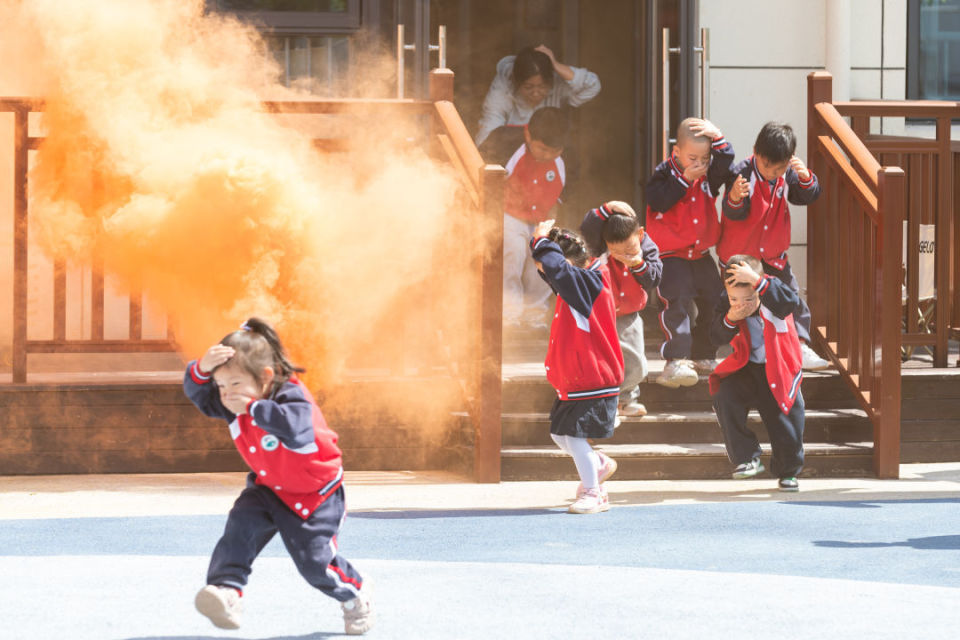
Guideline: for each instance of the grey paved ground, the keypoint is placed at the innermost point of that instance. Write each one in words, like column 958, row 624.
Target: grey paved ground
column 118, row 557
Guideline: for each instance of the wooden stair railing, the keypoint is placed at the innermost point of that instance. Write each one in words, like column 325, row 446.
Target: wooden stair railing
column 449, row 142
column 874, row 186
column 853, row 267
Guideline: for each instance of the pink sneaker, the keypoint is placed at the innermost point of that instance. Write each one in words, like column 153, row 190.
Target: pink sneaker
column 608, row 466
column 592, row 501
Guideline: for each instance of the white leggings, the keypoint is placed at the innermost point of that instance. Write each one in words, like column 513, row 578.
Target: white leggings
column 586, row 459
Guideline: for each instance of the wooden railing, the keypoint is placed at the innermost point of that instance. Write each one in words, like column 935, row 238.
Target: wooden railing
column 931, row 187
column 480, row 205
column 855, row 249
column 853, row 267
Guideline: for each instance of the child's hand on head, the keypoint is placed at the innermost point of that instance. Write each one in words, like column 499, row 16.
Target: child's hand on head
column 800, row 168
column 543, row 228
column 214, row 357
column 706, row 128
column 739, row 190
column 742, row 273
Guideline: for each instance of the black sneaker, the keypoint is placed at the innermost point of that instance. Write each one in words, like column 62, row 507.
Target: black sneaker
column 748, row 469
column 789, row 484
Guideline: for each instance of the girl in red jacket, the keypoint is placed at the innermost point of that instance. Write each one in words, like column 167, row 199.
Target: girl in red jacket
column 584, row 362
column 295, row 486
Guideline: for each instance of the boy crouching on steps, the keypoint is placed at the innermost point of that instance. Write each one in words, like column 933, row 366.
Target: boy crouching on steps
column 764, row 371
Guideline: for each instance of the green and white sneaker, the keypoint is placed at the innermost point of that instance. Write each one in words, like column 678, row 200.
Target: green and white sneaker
column 789, row 484
column 748, row 469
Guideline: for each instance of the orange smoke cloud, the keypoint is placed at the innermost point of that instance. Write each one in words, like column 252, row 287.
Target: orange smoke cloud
column 159, row 160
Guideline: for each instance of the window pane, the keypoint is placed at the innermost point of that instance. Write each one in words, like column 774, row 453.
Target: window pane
column 313, row 6
column 319, row 64
column 939, row 60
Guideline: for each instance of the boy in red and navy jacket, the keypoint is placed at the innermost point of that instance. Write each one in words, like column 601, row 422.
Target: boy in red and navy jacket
column 613, row 233
column 535, row 178
column 755, row 316
column 756, row 214
column 682, row 220
column 584, row 363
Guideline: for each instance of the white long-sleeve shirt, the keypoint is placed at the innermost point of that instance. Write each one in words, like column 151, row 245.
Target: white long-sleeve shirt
column 502, row 106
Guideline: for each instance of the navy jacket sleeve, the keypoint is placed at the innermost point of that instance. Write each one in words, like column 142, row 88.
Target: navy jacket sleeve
column 579, row 288
column 203, row 393
column 648, row 274
column 287, row 415
column 775, row 295
column 740, row 210
column 721, row 157
column 722, row 332
column 665, row 188
column 801, row 193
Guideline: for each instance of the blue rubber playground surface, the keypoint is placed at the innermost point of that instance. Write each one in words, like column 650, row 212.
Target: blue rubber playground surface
column 797, row 569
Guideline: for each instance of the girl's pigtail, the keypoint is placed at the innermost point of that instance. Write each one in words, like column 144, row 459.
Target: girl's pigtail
column 285, row 368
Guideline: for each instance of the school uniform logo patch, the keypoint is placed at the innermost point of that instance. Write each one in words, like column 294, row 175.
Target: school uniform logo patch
column 269, row 442
column 551, row 175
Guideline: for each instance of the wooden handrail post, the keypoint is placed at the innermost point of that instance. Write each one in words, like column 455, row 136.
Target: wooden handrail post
column 20, row 226
column 891, row 205
column 819, row 89
column 441, row 85
column 944, row 247
column 487, row 438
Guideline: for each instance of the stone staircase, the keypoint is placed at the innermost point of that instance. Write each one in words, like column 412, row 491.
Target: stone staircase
column 680, row 439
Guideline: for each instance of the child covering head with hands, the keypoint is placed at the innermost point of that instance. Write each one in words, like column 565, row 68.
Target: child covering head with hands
column 756, row 214
column 584, row 363
column 755, row 316
column 682, row 220
column 613, row 233
column 295, row 484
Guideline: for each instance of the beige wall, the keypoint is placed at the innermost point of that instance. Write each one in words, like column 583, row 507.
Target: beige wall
column 762, row 50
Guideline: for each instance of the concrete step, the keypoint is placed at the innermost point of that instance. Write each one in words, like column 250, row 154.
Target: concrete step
column 525, row 389
column 705, row 460
column 822, row 425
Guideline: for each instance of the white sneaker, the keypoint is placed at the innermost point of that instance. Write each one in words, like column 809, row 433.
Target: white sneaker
column 358, row 613
column 811, row 361
column 221, row 604
column 632, row 409
column 705, row 367
column 592, row 501
column 678, row 373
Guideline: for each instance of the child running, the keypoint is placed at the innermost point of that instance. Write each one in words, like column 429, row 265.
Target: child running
column 295, row 486
column 584, row 363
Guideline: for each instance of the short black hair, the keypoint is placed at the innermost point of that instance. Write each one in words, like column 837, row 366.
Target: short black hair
column 776, row 142
column 549, row 126
column 621, row 223
column 752, row 261
column 530, row 62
